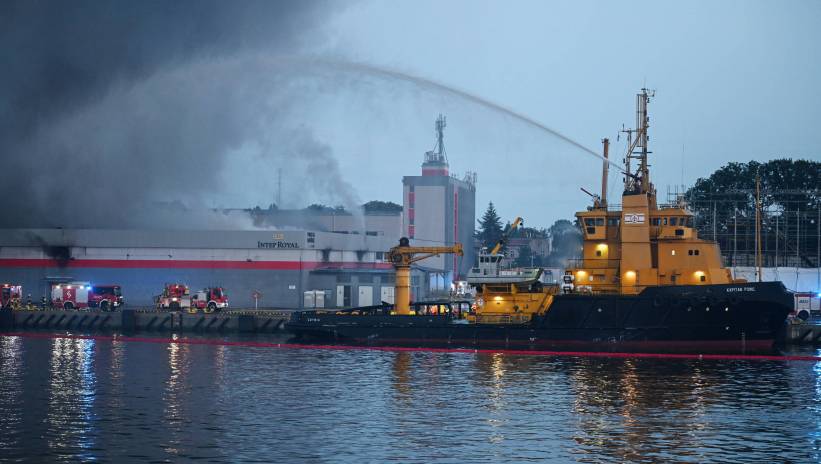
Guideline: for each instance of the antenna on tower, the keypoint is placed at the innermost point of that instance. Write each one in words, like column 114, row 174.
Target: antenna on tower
column 439, row 149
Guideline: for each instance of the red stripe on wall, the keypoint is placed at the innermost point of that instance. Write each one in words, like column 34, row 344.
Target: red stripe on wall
column 189, row 264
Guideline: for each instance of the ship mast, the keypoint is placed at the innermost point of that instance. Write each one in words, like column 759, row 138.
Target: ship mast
column 639, row 182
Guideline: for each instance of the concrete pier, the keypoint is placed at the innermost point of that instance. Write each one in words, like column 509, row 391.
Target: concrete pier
column 808, row 333
column 127, row 321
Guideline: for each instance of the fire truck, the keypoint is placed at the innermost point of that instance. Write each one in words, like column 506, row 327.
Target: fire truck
column 11, row 296
column 174, row 297
column 209, row 300
column 83, row 295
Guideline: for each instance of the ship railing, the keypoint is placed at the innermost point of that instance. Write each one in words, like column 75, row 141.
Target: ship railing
column 592, row 263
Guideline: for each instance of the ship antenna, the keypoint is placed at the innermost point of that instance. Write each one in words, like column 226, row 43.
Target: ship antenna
column 638, row 146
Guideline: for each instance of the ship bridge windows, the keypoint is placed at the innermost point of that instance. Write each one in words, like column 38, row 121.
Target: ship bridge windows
column 614, row 222
column 693, row 252
column 656, row 221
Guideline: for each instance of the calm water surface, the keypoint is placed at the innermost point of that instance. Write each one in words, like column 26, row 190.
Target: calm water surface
column 114, row 401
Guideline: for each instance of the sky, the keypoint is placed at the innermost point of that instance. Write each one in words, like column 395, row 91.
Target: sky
column 121, row 106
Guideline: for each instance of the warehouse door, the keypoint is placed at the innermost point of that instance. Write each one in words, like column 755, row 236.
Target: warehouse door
column 343, row 296
column 365, row 295
column 387, row 295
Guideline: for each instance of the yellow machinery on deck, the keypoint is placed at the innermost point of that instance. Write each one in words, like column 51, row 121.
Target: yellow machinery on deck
column 402, row 257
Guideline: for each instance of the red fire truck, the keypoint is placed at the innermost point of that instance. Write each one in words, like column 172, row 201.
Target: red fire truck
column 209, row 300
column 11, row 296
column 174, row 297
column 83, row 295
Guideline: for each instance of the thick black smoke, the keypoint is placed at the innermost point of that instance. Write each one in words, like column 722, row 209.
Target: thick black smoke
column 108, row 107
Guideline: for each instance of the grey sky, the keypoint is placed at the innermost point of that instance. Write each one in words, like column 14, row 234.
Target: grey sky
column 735, row 81
column 206, row 108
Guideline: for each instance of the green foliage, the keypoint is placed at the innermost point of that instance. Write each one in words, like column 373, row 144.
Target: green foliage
column 490, row 227
column 377, row 206
column 799, row 179
column 724, row 205
column 525, row 258
column 566, row 242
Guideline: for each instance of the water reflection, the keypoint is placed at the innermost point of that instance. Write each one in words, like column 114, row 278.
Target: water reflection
column 72, row 388
column 176, row 389
column 11, row 366
column 123, row 401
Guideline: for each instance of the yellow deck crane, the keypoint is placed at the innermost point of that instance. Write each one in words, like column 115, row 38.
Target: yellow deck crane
column 496, row 249
column 402, row 257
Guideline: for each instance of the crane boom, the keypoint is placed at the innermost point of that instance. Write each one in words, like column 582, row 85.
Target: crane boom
column 402, row 257
column 496, row 249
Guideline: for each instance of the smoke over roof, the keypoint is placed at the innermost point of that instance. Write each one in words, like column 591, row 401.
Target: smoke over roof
column 107, row 108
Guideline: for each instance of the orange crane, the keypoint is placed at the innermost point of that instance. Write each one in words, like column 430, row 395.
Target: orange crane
column 496, row 249
column 402, row 257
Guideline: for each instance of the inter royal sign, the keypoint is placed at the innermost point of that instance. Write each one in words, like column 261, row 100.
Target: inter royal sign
column 633, row 218
column 278, row 245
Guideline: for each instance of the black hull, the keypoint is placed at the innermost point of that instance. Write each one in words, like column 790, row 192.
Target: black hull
column 738, row 318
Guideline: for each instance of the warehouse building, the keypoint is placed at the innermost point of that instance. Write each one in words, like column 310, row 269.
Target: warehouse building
column 285, row 269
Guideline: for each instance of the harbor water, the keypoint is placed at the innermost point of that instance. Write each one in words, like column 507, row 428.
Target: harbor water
column 108, row 400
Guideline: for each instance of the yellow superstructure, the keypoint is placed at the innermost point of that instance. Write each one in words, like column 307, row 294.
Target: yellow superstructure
column 641, row 244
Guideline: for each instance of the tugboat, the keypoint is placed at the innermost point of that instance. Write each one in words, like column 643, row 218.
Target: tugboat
column 489, row 269
column 645, row 283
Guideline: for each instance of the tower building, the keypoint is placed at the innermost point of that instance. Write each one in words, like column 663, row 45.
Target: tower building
column 440, row 209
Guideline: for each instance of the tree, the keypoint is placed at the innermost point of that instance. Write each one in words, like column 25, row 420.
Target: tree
column 525, row 258
column 377, row 206
column 724, row 206
column 490, row 227
column 566, row 242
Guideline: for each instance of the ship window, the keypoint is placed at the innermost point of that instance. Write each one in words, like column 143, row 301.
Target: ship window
column 380, row 255
column 612, row 221
column 673, row 278
column 599, row 221
column 589, row 222
column 679, row 231
column 695, row 252
column 673, row 252
column 591, row 230
column 665, row 221
column 703, row 278
column 673, row 221
column 656, row 221
column 598, row 252
column 689, row 222
column 690, row 252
